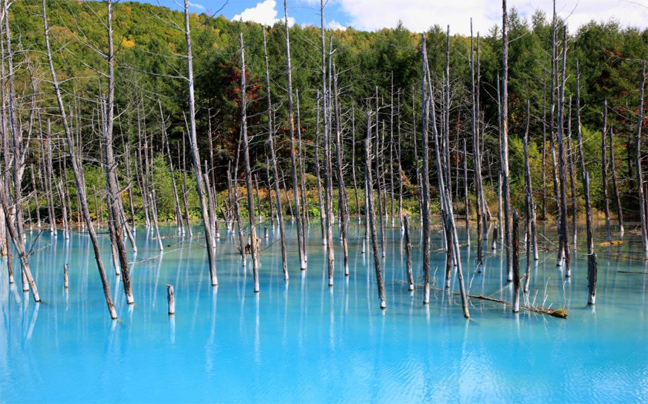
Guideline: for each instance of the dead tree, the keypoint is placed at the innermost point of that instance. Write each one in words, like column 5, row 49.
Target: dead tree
column 467, row 201
column 642, row 196
column 193, row 144
column 79, row 179
column 615, row 185
column 477, row 179
column 326, row 119
column 391, row 148
column 254, row 250
column 342, row 197
column 505, row 153
column 408, row 254
column 426, row 173
column 353, row 169
column 176, row 199
column 592, row 269
column 293, row 159
column 37, row 205
column 302, row 183
column 516, row 263
column 606, row 202
column 320, row 204
column 185, row 189
column 529, row 202
column 572, row 179
column 113, row 191
column 563, row 247
column 446, row 200
column 372, row 219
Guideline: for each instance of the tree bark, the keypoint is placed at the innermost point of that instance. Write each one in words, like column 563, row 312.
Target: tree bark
column 78, row 173
column 426, row 173
column 372, row 219
column 606, row 202
column 254, row 250
column 642, row 196
column 293, row 159
column 193, row 143
column 516, row 263
column 505, row 153
column 615, row 185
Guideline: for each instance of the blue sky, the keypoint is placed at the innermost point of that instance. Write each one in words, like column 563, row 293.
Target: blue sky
column 419, row 15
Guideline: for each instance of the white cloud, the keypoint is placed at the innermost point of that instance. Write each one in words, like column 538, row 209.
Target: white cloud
column 264, row 13
column 419, row 15
column 198, row 6
column 334, row 25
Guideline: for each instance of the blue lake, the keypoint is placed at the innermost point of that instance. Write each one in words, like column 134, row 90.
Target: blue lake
column 305, row 342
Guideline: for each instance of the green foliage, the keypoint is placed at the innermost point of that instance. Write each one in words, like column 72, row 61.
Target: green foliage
column 151, row 59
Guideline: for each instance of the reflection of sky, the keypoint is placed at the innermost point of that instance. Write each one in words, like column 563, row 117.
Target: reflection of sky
column 306, row 342
column 420, row 15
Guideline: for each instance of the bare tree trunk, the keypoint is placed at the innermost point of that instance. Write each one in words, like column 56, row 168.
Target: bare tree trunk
column 505, row 153
column 327, row 172
column 33, row 181
column 476, row 155
column 544, row 153
column 49, row 178
column 154, row 213
column 114, row 195
column 193, row 142
column 353, row 170
column 552, row 125
column 254, row 250
column 500, row 202
column 176, row 199
column 13, row 212
column 320, row 205
column 467, row 202
column 372, row 219
column 606, row 202
column 530, row 204
column 486, row 214
column 446, row 116
column 302, row 184
column 572, row 179
column 615, row 185
column 381, row 205
column 185, row 190
column 378, row 176
column 391, row 148
column 269, row 187
column 400, row 167
column 592, row 269
column 66, row 230
column 564, row 242
column 408, row 254
column 212, row 183
column 258, row 200
column 342, row 197
column 426, row 172
column 642, row 196
column 446, row 200
column 282, row 231
column 516, row 263
column 293, row 159
column 78, row 173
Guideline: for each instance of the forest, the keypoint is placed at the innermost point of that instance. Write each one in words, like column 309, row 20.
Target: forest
column 124, row 114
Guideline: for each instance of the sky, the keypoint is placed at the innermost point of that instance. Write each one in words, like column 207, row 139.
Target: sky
column 419, row 15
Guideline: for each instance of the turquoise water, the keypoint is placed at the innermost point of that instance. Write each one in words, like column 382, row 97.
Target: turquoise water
column 305, row 342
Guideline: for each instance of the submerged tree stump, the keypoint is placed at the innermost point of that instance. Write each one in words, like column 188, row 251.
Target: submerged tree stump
column 171, row 299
